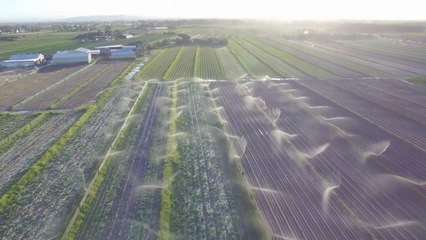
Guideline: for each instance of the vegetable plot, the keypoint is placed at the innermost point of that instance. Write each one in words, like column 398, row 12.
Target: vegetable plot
column 318, row 170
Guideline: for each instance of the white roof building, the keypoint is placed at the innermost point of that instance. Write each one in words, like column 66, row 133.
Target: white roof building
column 17, row 63
column 130, row 47
column 30, row 56
column 127, row 35
column 23, row 60
column 78, row 56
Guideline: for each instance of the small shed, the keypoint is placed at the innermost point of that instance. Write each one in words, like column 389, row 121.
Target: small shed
column 127, row 35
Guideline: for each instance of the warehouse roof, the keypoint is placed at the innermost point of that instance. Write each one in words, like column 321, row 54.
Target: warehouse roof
column 110, row 47
column 82, row 50
column 78, row 50
column 19, row 60
column 29, row 56
column 95, row 52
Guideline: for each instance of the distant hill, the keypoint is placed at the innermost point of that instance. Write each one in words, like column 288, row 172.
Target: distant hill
column 101, row 18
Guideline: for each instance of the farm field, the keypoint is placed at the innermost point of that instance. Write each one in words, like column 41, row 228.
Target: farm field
column 17, row 91
column 263, row 137
column 341, row 162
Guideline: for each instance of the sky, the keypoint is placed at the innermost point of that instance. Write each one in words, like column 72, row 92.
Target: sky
column 30, row 10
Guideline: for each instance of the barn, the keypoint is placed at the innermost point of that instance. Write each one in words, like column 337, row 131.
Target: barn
column 123, row 54
column 23, row 60
column 78, row 56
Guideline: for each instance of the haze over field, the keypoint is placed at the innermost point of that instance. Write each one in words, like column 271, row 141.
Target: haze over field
column 42, row 10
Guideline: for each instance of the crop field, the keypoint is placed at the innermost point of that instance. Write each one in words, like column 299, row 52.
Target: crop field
column 350, row 167
column 17, row 91
column 264, row 137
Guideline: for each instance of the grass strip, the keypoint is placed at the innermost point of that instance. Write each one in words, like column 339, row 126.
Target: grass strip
column 172, row 159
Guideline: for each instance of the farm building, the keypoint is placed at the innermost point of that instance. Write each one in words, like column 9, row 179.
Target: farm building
column 123, row 54
column 109, row 47
column 78, row 56
column 95, row 52
column 120, row 51
column 23, row 60
column 105, row 51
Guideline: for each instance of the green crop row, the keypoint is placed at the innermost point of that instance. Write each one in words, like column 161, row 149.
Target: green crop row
column 184, row 67
column 173, row 158
column 23, row 132
column 197, row 67
column 168, row 75
column 157, row 67
column 208, row 65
